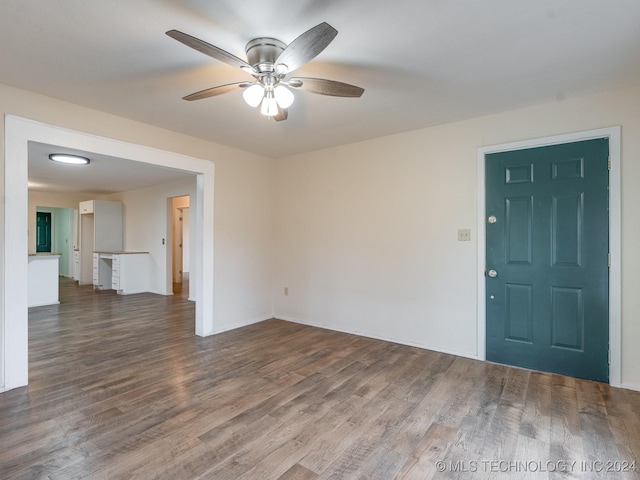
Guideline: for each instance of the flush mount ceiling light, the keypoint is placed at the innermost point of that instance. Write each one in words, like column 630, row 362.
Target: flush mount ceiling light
column 269, row 62
column 69, row 158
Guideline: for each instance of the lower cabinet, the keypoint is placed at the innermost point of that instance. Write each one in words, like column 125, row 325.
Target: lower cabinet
column 97, row 282
column 126, row 273
column 76, row 265
column 130, row 273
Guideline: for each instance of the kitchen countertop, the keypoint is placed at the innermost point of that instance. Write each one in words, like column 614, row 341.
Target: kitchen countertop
column 118, row 253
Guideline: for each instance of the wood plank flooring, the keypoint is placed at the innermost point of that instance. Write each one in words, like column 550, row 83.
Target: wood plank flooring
column 121, row 388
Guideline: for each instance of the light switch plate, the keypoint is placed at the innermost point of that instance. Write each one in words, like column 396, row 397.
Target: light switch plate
column 464, row 235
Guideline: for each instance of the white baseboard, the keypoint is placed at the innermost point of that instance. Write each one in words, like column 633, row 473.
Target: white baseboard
column 43, row 304
column 6, row 388
column 411, row 344
column 241, row 324
column 378, row 337
column 626, row 386
column 155, row 292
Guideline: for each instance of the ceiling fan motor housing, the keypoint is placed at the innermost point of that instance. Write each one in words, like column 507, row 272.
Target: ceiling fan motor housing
column 263, row 52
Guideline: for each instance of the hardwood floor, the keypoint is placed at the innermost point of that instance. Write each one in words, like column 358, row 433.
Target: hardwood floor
column 121, row 388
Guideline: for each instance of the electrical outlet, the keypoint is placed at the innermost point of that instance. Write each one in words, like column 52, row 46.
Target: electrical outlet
column 464, row 235
column 286, row 290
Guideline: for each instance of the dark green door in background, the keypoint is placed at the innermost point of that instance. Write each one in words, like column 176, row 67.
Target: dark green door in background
column 547, row 281
column 43, row 231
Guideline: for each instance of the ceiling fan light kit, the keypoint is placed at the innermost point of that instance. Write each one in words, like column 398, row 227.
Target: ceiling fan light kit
column 269, row 105
column 270, row 61
column 253, row 95
column 283, row 95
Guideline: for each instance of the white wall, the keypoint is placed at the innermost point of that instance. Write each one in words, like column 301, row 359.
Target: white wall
column 367, row 239
column 244, row 225
column 366, row 234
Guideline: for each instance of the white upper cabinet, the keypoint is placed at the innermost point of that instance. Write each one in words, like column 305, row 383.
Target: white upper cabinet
column 86, row 207
column 108, row 221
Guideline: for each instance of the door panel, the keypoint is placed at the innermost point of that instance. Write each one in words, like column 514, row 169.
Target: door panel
column 567, row 318
column 519, row 308
column 519, row 228
column 547, row 307
column 566, row 240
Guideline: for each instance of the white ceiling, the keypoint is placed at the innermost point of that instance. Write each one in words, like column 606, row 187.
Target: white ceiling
column 421, row 62
column 103, row 176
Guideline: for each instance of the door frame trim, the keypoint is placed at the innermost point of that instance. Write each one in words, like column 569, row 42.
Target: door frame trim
column 613, row 134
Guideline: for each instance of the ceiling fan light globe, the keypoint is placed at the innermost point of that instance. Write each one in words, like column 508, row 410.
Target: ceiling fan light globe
column 269, row 106
column 284, row 96
column 253, row 95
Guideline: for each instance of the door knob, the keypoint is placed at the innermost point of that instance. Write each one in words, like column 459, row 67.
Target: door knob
column 492, row 273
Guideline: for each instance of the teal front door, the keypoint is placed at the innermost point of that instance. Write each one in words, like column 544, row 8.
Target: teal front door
column 547, row 279
column 43, row 231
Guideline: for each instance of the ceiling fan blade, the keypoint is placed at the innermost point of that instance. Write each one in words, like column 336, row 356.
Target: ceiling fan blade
column 219, row 90
column 283, row 113
column 307, row 46
column 323, row 86
column 211, row 50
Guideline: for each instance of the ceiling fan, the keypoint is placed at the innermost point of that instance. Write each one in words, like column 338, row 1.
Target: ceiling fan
column 270, row 61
